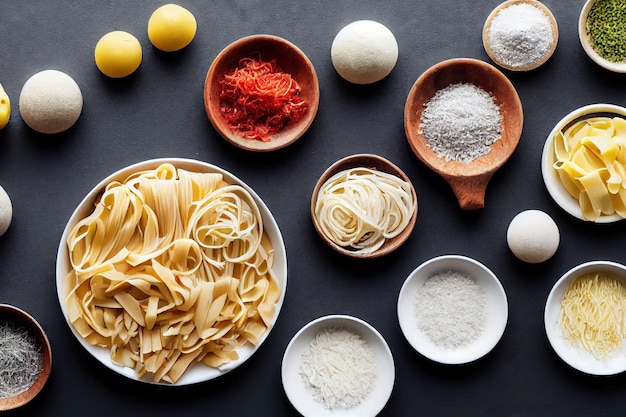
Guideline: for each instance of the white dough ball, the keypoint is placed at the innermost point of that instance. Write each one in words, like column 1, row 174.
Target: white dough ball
column 6, row 211
column 364, row 52
column 50, row 102
column 533, row 236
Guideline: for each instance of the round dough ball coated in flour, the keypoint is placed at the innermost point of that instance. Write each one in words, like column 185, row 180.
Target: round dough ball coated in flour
column 50, row 102
column 533, row 236
column 6, row 211
column 364, row 52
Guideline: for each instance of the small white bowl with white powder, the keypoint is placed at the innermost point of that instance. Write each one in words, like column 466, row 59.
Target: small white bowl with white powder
column 338, row 365
column 520, row 35
column 452, row 309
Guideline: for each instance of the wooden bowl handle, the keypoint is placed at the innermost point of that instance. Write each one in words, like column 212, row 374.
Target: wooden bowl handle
column 470, row 191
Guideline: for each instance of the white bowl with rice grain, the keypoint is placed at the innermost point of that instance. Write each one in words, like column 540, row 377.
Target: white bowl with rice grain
column 424, row 332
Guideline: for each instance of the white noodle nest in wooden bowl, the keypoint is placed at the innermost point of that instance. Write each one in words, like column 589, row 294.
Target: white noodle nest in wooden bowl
column 574, row 354
column 196, row 372
column 364, row 206
column 452, row 309
column 381, row 375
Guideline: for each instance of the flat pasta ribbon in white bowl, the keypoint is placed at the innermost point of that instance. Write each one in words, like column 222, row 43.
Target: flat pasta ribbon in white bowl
column 171, row 271
column 584, row 163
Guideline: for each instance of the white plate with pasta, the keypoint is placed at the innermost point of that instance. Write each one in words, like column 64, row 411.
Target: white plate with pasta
column 171, row 272
column 573, row 309
column 583, row 163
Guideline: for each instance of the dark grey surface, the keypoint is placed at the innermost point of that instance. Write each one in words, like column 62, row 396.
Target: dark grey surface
column 158, row 112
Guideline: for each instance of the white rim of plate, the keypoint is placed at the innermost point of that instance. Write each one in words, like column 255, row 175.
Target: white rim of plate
column 296, row 390
column 551, row 178
column 497, row 309
column 197, row 373
column 577, row 357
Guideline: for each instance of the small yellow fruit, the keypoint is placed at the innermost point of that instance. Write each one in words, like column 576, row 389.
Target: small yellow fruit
column 118, row 54
column 5, row 108
column 171, row 27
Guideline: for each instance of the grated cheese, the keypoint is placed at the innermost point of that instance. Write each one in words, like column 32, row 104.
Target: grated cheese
column 339, row 368
column 593, row 314
column 451, row 309
column 461, row 122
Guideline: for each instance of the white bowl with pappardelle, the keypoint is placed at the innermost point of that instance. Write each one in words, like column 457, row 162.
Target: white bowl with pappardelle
column 180, row 257
column 565, row 186
column 588, row 359
column 297, row 381
column 479, row 289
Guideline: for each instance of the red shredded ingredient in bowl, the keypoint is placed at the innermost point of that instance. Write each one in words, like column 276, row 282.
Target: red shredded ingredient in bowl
column 258, row 98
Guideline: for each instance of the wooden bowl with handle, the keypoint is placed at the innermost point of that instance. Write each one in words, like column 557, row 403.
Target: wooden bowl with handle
column 468, row 179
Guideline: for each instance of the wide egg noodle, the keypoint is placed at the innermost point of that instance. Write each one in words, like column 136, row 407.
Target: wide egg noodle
column 170, row 269
column 590, row 158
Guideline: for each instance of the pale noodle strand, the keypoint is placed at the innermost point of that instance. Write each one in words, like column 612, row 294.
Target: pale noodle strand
column 361, row 208
column 593, row 314
column 171, row 268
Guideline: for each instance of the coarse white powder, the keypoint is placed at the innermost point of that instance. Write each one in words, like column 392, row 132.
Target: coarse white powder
column 451, row 309
column 338, row 368
column 520, row 35
column 461, row 122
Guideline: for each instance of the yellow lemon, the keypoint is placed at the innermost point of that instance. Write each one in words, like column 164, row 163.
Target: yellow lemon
column 171, row 27
column 118, row 54
column 5, row 108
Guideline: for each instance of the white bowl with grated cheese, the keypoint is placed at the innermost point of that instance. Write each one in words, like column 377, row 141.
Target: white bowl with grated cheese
column 299, row 388
column 452, row 345
column 614, row 362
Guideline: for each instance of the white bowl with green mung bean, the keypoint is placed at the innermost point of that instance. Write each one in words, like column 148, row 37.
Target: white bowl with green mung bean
column 602, row 33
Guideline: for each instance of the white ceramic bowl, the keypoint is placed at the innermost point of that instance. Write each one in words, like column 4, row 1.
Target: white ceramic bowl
column 296, row 390
column 550, row 177
column 577, row 357
column 584, row 41
column 199, row 372
column 497, row 309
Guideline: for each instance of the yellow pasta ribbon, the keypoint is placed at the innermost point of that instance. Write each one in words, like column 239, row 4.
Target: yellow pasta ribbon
column 589, row 161
column 172, row 268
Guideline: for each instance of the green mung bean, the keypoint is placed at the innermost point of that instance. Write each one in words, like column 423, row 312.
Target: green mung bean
column 606, row 28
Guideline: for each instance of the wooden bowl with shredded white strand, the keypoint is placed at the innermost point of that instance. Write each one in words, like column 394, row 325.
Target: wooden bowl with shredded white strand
column 340, row 225
column 25, row 357
column 468, row 179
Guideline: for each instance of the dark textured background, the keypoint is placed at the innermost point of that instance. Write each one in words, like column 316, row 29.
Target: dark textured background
column 158, row 112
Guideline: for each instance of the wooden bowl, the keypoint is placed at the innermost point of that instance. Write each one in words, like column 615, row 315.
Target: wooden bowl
column 21, row 318
column 536, row 64
column 373, row 162
column 291, row 60
column 468, row 180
